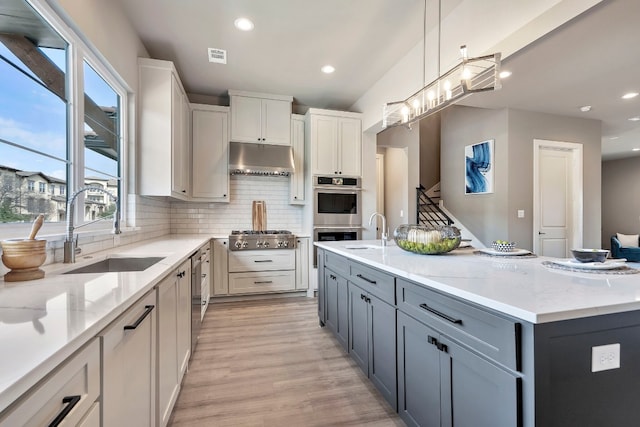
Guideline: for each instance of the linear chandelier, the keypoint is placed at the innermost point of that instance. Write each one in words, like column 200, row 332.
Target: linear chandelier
column 471, row 75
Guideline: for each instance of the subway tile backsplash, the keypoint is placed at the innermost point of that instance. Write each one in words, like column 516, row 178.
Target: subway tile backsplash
column 221, row 218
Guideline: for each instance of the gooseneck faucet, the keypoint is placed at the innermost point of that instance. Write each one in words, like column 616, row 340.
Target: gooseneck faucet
column 385, row 232
column 70, row 245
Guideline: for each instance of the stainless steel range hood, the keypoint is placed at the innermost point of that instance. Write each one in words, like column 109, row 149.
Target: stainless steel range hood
column 260, row 159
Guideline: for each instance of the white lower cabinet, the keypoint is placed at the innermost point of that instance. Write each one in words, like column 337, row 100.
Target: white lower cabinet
column 67, row 397
column 220, row 283
column 256, row 272
column 173, row 337
column 302, row 263
column 128, row 366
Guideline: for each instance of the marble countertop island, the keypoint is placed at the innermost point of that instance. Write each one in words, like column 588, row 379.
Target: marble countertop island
column 43, row 322
column 517, row 286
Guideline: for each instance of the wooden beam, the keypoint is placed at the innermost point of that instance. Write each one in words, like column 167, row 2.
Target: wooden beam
column 54, row 79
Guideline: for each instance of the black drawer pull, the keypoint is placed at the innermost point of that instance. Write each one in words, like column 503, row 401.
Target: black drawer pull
column 263, row 282
column 69, row 402
column 440, row 314
column 262, row 260
column 332, row 277
column 147, row 311
column 363, row 297
column 373, row 282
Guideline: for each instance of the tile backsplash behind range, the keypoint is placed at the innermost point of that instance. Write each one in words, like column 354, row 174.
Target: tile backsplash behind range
column 221, row 218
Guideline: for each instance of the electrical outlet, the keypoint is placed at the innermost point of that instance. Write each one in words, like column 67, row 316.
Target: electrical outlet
column 520, row 213
column 604, row 357
column 401, row 213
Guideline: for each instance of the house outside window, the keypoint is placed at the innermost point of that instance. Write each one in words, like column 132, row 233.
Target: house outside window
column 41, row 101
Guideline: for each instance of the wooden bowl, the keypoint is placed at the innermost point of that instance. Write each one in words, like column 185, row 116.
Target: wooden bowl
column 23, row 254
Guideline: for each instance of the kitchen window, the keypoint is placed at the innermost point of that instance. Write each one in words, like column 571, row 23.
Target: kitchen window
column 61, row 121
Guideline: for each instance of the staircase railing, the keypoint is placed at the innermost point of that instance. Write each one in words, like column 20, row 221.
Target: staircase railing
column 428, row 209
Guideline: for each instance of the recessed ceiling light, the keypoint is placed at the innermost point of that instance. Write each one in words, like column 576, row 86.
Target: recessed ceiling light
column 635, row 149
column 634, row 119
column 328, row 69
column 243, row 24
column 504, row 74
column 629, row 95
column 585, row 108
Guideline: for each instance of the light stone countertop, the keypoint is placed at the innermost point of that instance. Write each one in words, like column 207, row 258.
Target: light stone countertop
column 519, row 287
column 43, row 322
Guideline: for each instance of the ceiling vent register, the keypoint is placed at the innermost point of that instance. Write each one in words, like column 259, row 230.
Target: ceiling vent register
column 218, row 56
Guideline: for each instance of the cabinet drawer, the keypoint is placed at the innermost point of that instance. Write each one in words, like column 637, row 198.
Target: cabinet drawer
column 261, row 282
column 74, row 384
column 490, row 334
column 284, row 259
column 337, row 263
column 374, row 281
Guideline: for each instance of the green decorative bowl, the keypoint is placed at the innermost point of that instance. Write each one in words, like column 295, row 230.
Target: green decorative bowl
column 427, row 239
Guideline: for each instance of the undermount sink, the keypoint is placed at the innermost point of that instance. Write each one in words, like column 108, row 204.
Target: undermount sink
column 364, row 246
column 115, row 265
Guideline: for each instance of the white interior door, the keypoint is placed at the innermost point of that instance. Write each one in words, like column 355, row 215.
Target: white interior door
column 557, row 198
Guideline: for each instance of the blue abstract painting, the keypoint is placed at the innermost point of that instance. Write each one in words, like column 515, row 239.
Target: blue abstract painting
column 479, row 168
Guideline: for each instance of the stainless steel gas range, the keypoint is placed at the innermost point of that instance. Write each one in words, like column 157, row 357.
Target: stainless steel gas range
column 241, row 240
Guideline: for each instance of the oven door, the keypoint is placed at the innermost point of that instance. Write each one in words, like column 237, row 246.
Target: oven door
column 333, row 234
column 340, row 207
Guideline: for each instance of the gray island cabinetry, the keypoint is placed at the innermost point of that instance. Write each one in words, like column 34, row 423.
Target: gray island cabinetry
column 447, row 343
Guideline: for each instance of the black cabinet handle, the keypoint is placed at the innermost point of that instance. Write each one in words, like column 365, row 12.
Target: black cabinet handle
column 263, row 282
column 434, row 341
column 262, row 260
column 373, row 282
column 69, row 402
column 181, row 274
column 362, row 297
column 147, row 311
column 440, row 314
column 332, row 277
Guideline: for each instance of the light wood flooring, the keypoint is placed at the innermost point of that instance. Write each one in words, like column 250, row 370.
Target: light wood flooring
column 268, row 363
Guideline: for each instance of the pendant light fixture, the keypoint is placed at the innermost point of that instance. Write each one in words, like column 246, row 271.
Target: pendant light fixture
column 471, row 75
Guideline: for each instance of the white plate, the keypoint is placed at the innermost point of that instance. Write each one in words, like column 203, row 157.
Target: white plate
column 514, row 252
column 574, row 263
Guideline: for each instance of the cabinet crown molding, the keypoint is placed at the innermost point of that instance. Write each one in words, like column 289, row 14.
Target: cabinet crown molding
column 233, row 92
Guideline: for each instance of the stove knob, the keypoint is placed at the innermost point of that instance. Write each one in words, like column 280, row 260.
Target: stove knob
column 238, row 244
column 286, row 244
column 266, row 244
column 280, row 243
column 245, row 244
column 259, row 244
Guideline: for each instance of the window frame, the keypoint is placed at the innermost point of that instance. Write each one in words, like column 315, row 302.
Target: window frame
column 80, row 50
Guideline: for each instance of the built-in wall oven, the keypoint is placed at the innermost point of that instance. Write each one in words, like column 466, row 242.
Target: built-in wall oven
column 337, row 209
column 332, row 234
column 337, row 201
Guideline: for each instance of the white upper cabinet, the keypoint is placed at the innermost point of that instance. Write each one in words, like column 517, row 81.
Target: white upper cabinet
column 210, row 147
column 335, row 141
column 260, row 118
column 297, row 144
column 164, row 131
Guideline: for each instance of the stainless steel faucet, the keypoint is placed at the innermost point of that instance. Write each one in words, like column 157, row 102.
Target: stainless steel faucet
column 71, row 245
column 385, row 232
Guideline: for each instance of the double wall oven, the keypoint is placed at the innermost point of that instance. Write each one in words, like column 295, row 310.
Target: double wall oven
column 337, row 209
